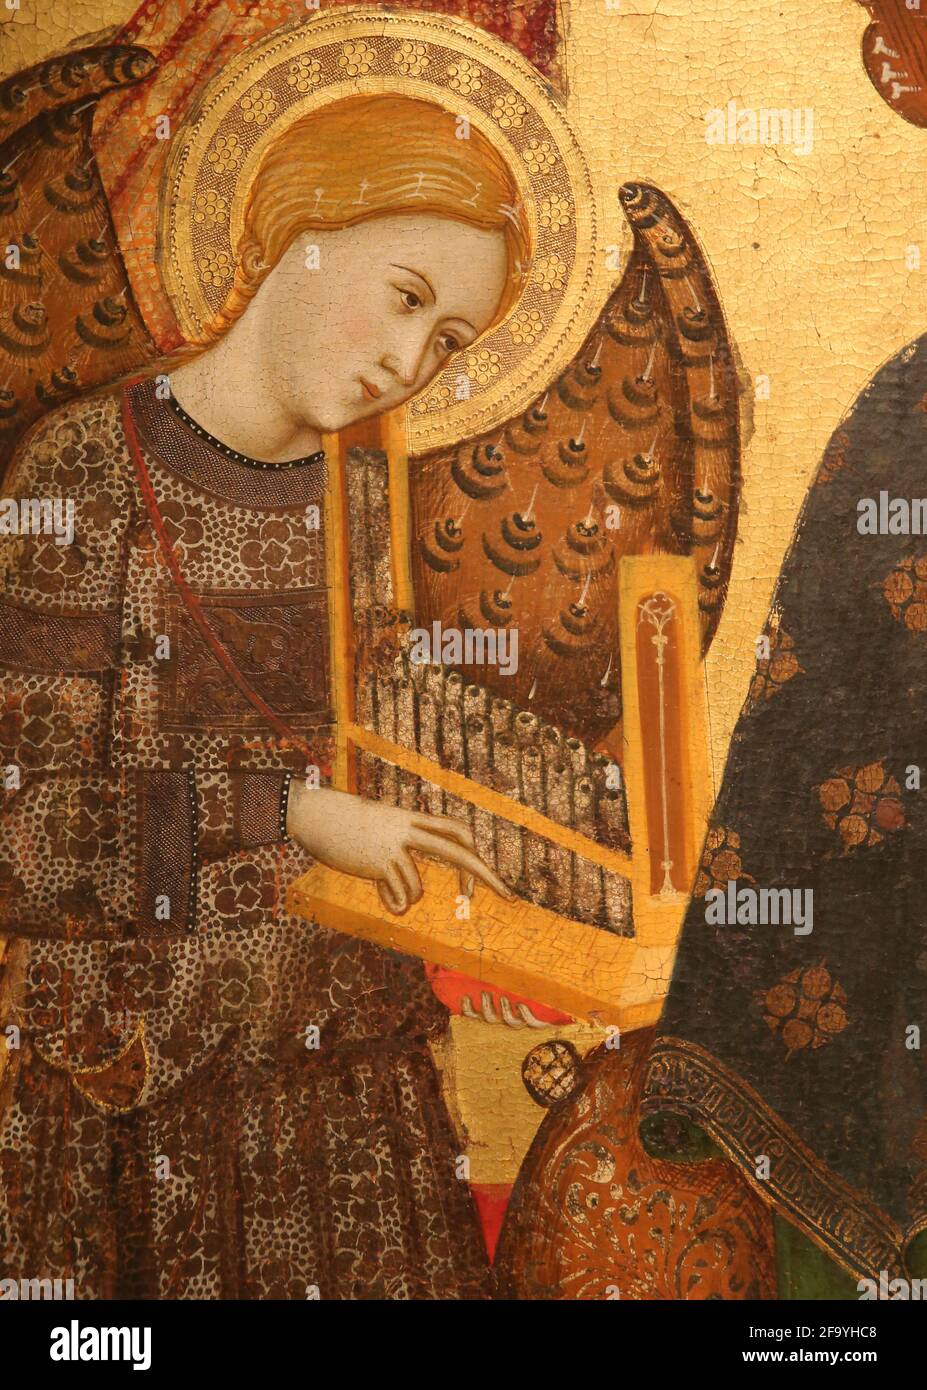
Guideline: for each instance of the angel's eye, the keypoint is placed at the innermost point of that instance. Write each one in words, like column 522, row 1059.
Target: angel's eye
column 410, row 299
column 449, row 343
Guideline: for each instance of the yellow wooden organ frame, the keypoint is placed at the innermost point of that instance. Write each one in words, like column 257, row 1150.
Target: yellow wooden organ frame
column 519, row 947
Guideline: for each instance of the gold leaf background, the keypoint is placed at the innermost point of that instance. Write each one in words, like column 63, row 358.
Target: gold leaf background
column 808, row 251
column 809, row 258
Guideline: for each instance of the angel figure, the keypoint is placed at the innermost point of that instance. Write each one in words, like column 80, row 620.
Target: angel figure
column 207, row 1096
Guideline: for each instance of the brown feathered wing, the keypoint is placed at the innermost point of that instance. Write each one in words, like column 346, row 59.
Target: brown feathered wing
column 634, row 449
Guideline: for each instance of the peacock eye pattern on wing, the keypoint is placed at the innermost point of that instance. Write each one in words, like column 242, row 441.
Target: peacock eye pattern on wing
column 633, row 449
column 68, row 322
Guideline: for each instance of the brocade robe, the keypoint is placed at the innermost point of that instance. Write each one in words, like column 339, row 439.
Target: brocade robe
column 167, row 1127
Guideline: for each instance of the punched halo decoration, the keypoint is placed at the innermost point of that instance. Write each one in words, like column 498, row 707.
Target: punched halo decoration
column 292, row 71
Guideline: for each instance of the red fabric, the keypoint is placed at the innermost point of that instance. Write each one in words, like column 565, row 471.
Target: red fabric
column 451, row 987
column 492, row 1200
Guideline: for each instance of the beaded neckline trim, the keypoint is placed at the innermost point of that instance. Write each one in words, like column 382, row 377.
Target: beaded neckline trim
column 246, row 459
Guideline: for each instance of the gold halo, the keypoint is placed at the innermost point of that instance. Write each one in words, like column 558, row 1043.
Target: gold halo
column 294, row 70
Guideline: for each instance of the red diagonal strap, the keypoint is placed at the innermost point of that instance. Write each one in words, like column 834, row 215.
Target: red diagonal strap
column 190, row 600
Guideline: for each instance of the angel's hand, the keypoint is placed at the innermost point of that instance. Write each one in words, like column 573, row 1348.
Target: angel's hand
column 371, row 839
column 478, row 1000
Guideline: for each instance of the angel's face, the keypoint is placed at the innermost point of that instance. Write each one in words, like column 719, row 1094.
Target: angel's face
column 361, row 319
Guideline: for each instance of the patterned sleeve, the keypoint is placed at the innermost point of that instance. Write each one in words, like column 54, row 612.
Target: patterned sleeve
column 65, row 851
column 92, row 841
column 240, row 810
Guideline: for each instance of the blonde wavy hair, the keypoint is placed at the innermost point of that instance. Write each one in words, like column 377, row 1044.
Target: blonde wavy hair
column 365, row 157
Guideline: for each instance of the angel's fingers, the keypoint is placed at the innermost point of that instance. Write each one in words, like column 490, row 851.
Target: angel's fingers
column 392, row 890
column 467, row 884
column 410, row 876
column 385, row 897
column 445, row 826
column 459, row 857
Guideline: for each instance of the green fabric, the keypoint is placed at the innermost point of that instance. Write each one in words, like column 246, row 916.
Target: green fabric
column 917, row 1256
column 673, row 1139
column 805, row 1272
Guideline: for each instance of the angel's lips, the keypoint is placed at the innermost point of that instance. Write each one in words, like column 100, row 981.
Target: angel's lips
column 370, row 392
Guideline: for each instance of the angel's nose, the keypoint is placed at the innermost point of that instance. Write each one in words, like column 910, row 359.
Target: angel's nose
column 404, row 369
